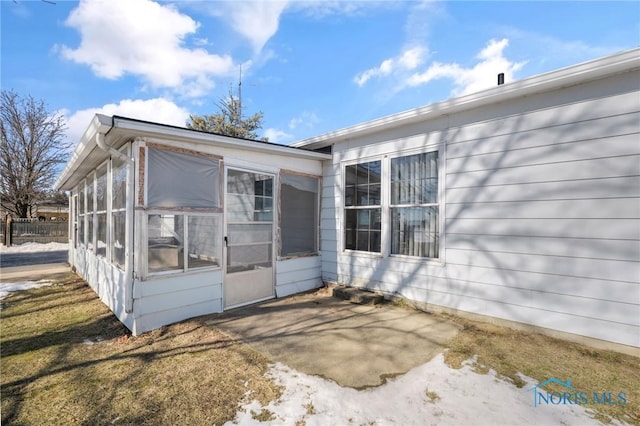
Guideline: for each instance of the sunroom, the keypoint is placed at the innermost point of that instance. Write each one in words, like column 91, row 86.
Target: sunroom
column 168, row 223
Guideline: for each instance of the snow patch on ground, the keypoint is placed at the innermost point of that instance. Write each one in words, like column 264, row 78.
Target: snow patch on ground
column 34, row 248
column 6, row 288
column 431, row 394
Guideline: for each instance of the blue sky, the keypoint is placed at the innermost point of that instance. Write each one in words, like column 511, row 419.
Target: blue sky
column 310, row 66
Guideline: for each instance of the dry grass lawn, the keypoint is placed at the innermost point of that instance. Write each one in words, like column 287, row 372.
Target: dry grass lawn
column 510, row 351
column 67, row 360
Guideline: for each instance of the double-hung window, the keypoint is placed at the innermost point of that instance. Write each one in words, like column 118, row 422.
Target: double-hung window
column 414, row 205
column 408, row 213
column 363, row 211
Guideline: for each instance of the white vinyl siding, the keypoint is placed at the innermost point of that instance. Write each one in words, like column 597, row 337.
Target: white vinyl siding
column 540, row 211
column 174, row 298
column 330, row 218
column 296, row 275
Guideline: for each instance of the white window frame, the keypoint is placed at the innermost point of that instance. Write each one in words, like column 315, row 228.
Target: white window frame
column 185, row 212
column 390, row 206
column 73, row 222
column 380, row 206
column 91, row 215
column 111, row 210
column 185, row 243
column 317, row 235
column 104, row 166
column 385, row 205
column 82, row 213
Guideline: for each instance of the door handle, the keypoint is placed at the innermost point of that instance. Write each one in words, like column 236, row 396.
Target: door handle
column 226, row 241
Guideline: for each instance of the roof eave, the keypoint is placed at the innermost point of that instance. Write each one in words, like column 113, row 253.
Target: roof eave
column 144, row 128
column 99, row 124
column 131, row 128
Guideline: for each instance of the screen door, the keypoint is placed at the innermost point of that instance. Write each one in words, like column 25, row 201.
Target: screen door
column 248, row 237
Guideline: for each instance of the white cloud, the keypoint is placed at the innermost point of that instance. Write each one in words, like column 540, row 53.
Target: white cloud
column 549, row 52
column 277, row 136
column 143, row 38
column 469, row 80
column 158, row 110
column 319, row 9
column 256, row 21
column 408, row 60
column 306, row 119
column 20, row 10
column 422, row 14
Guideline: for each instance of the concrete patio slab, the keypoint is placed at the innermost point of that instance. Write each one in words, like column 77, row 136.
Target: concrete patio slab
column 354, row 345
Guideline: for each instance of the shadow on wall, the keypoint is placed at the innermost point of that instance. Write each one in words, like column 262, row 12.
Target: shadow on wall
column 537, row 214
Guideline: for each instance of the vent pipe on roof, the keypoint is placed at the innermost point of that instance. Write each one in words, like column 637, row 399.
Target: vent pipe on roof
column 500, row 79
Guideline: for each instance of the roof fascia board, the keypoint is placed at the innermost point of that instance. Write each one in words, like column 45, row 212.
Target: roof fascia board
column 142, row 128
column 130, row 127
column 564, row 77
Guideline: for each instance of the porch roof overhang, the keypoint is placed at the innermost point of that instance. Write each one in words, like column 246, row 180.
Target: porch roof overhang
column 118, row 130
column 617, row 63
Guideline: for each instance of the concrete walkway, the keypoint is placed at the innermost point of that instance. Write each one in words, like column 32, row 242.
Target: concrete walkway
column 354, row 345
column 33, row 272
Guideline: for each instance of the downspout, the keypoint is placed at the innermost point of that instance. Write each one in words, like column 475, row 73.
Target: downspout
column 128, row 273
column 111, row 150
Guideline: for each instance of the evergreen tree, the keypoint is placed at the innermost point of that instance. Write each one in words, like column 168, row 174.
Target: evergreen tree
column 229, row 120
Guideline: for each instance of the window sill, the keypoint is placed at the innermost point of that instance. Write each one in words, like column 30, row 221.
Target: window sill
column 415, row 259
column 180, row 272
column 368, row 254
column 395, row 257
column 298, row 256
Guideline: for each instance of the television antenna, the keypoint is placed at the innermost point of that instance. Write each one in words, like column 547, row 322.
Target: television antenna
column 240, row 93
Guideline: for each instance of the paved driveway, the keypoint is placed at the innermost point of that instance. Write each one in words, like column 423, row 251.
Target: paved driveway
column 32, row 266
column 9, row 260
column 354, row 345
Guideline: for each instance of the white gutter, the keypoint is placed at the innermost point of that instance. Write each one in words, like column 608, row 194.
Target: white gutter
column 114, row 152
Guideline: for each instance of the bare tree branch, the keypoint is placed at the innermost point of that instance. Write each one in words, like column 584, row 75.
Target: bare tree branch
column 33, row 146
